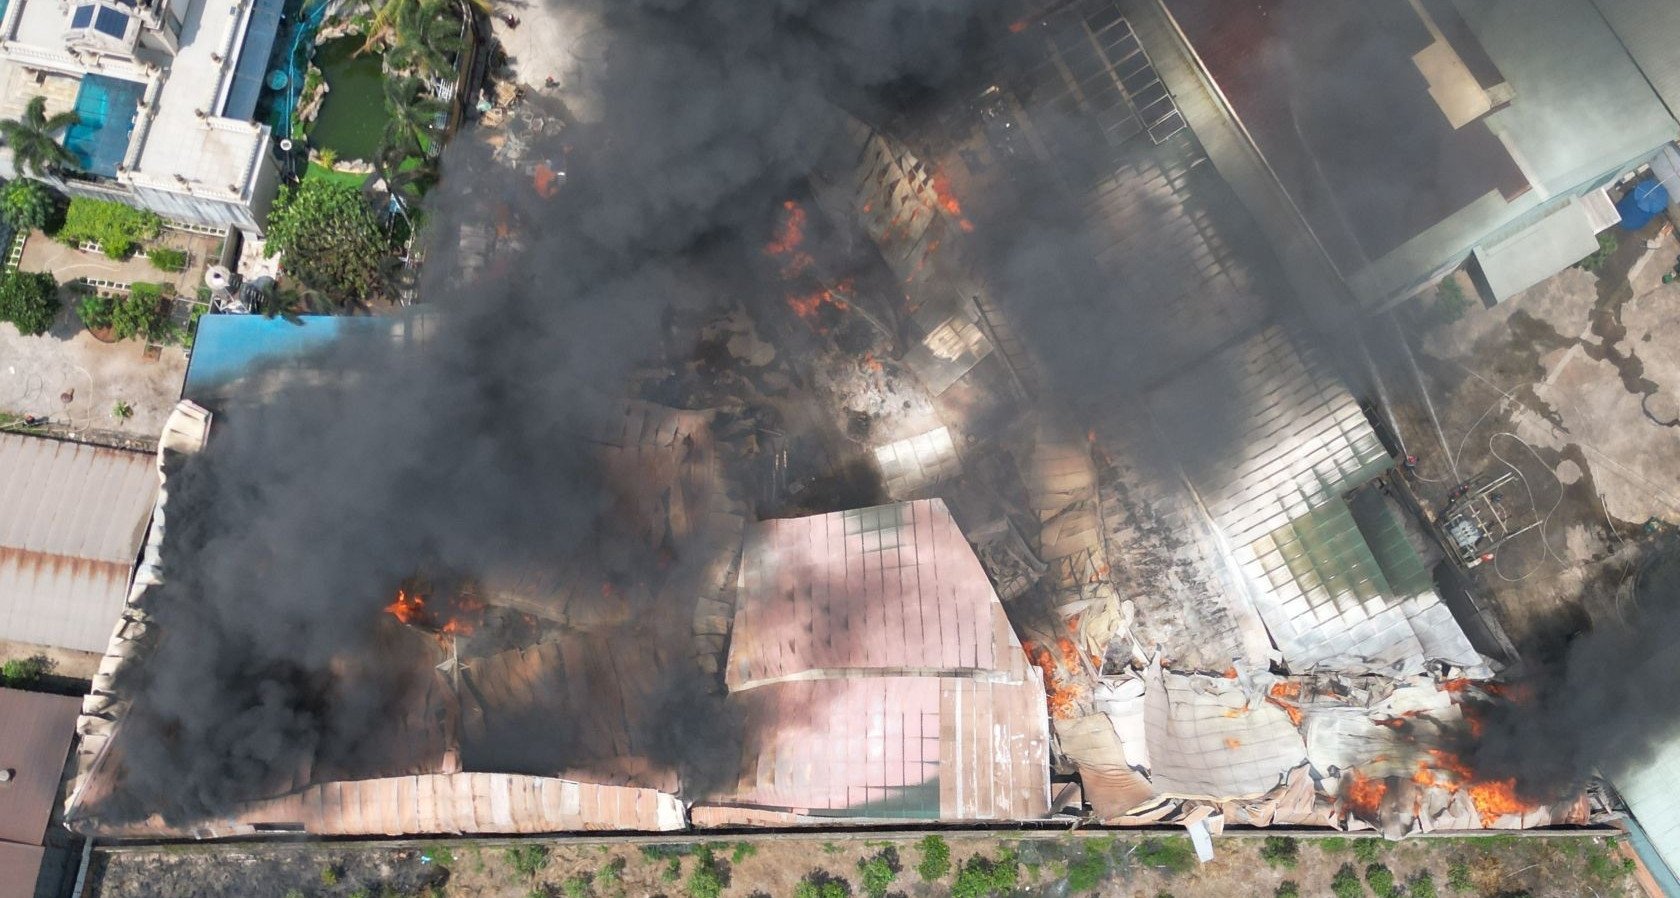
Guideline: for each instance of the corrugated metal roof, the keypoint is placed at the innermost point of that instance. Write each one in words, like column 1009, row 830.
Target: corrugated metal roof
column 71, row 520
column 462, row 803
column 1293, row 442
column 35, row 732
column 890, row 587
column 878, row 676
column 1650, row 793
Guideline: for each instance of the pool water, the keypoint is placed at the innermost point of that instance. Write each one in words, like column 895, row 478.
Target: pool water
column 352, row 117
column 106, row 107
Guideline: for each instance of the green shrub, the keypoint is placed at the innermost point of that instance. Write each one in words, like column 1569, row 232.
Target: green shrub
column 1346, row 884
column 142, row 313
column 1606, row 867
column 607, row 878
column 743, row 850
column 440, row 854
column 1450, row 302
column 982, row 877
column 1287, row 889
column 672, row 871
column 706, row 881
column 361, row 893
column 24, row 671
column 1334, row 844
column 27, row 205
column 1280, row 851
column 1381, row 881
column 95, row 311
column 165, row 259
column 820, row 885
column 1458, row 877
column 1421, row 885
column 294, row 893
column 878, row 874
column 1088, row 871
column 575, row 887
column 1172, row 854
column 1368, row 850
column 114, row 226
column 1607, row 244
column 329, row 875
column 528, row 860
column 29, row 301
column 936, row 859
column 122, row 411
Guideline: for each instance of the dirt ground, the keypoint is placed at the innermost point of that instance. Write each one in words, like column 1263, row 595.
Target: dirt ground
column 1522, row 387
column 1102, row 864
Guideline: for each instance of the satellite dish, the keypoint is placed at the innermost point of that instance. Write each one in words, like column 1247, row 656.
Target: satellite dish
column 218, row 277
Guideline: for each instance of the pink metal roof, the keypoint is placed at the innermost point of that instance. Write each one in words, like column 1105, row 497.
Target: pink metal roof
column 891, row 588
column 35, row 731
column 878, row 677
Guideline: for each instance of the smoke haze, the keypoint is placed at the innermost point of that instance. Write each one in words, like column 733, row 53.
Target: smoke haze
column 1601, row 705
column 288, row 533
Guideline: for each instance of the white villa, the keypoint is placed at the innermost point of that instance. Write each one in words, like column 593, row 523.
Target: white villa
column 166, row 91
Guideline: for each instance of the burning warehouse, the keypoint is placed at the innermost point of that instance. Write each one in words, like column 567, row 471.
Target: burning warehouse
column 825, row 544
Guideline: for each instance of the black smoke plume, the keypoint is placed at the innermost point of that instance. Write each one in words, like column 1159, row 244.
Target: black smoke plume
column 1600, row 704
column 288, row 533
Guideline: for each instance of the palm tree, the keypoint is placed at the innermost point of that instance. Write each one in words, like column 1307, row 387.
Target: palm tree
column 414, row 117
column 423, row 37
column 387, row 12
column 34, row 141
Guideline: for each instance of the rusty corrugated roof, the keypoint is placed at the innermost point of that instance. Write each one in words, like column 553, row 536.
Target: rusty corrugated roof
column 71, row 520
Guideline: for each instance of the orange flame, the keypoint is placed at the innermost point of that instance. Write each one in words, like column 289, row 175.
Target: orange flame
column 1063, row 695
column 948, row 202
column 1286, row 694
column 1496, row 799
column 790, row 234
column 871, row 363
column 1019, row 25
column 1493, row 798
column 408, row 608
column 1363, row 793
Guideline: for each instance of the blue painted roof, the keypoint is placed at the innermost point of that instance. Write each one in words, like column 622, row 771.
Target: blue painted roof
column 230, row 347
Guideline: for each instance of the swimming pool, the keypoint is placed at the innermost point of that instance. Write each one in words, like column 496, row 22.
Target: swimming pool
column 105, row 107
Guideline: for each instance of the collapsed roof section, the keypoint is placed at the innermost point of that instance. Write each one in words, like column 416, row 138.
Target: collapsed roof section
column 1292, row 443
column 907, row 210
column 878, row 677
column 441, row 771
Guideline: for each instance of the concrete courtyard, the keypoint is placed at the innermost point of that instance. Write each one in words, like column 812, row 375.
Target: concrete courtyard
column 1573, row 384
column 76, row 381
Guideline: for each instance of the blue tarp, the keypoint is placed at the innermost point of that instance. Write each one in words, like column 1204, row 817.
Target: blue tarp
column 1642, row 203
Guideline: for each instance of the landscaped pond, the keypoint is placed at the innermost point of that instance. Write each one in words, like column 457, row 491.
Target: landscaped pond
column 352, row 117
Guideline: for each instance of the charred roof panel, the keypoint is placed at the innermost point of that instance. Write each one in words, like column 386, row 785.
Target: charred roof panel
column 71, row 520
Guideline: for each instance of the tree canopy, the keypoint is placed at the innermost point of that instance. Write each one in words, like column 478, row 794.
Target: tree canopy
column 29, row 300
column 329, row 240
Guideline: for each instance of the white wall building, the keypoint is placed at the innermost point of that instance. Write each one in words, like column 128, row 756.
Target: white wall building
column 166, row 91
